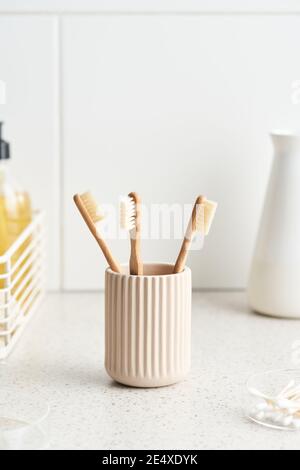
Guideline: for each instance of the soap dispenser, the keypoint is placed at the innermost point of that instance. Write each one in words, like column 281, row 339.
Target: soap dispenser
column 15, row 205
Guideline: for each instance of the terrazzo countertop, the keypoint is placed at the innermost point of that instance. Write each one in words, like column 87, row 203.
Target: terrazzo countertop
column 60, row 356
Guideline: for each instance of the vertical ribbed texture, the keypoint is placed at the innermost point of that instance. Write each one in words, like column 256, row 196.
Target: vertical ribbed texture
column 147, row 328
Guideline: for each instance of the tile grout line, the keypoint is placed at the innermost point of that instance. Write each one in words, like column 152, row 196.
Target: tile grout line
column 56, row 156
column 96, row 13
column 60, row 114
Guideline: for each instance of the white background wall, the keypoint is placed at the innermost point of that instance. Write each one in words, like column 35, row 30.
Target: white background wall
column 167, row 98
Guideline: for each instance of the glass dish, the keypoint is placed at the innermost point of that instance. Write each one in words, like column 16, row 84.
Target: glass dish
column 265, row 400
column 24, row 422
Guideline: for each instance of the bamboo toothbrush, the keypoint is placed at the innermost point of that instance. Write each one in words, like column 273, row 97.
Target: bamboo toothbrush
column 200, row 221
column 130, row 219
column 90, row 211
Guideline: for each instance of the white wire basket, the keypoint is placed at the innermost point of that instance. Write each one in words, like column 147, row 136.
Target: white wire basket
column 22, row 282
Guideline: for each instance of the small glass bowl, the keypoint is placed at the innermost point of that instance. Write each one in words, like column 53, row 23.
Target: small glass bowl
column 261, row 411
column 24, row 422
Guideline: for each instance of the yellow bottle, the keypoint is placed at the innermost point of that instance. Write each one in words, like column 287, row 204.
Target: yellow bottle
column 15, row 210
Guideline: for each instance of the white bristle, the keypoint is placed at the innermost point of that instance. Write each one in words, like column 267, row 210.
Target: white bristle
column 127, row 213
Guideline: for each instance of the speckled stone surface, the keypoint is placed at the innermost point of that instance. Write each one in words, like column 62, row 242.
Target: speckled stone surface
column 60, row 356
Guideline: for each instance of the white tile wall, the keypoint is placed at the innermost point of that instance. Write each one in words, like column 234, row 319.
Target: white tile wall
column 174, row 106
column 169, row 105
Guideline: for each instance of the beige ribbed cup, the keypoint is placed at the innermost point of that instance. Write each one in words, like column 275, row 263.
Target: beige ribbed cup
column 148, row 326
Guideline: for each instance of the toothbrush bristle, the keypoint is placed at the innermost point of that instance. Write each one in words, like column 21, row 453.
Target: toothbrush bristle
column 210, row 208
column 200, row 218
column 127, row 213
column 92, row 207
column 204, row 216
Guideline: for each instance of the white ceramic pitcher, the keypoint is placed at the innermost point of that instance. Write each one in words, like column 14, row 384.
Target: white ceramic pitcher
column 274, row 283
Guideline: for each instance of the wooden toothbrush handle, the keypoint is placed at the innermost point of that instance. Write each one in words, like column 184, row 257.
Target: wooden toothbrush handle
column 114, row 265
column 182, row 257
column 191, row 229
column 135, row 262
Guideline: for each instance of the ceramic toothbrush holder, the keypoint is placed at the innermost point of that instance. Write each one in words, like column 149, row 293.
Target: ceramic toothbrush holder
column 148, row 326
